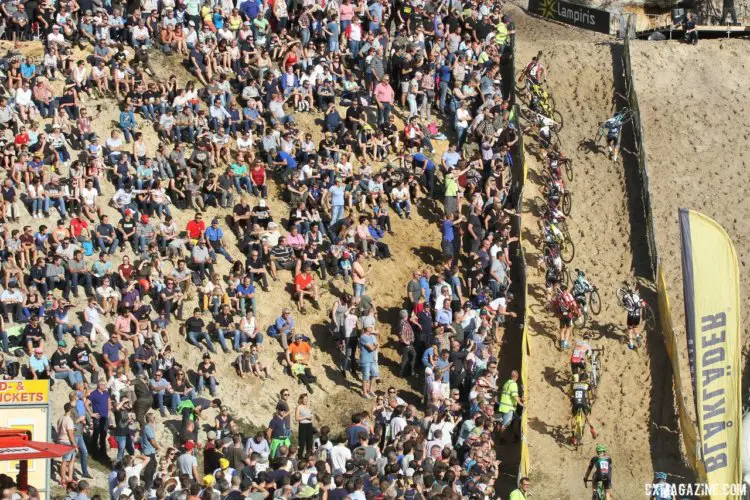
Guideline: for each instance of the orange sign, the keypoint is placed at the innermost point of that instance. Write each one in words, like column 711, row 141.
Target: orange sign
column 18, row 392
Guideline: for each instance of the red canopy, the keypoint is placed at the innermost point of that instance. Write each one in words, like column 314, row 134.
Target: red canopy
column 16, row 445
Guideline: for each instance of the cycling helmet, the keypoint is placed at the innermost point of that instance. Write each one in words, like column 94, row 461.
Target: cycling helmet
column 563, row 288
column 600, row 448
column 586, row 336
column 661, row 476
column 581, row 273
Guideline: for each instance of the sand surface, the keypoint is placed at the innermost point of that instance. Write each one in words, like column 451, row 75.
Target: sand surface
column 693, row 108
column 633, row 412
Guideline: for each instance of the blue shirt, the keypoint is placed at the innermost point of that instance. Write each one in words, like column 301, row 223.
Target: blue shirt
column 214, row 234
column 250, row 8
column 291, row 163
column 428, row 353
column 418, row 162
column 376, row 11
column 100, row 402
column 447, row 230
column 444, row 72
column 112, row 350
column 337, row 195
column 366, row 356
column 282, row 324
column 245, row 291
column 147, row 435
column 425, row 284
column 443, row 364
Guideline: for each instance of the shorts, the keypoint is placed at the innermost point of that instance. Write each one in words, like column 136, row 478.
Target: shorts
column 613, row 138
column 566, row 321
column 369, row 371
column 405, row 87
column 508, row 417
column 578, row 367
column 634, row 320
column 606, row 481
column 586, row 408
column 71, row 455
column 551, row 281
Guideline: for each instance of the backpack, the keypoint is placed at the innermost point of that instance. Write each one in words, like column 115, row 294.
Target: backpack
column 13, row 368
column 88, row 248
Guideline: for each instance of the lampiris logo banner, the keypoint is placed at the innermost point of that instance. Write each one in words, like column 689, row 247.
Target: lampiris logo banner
column 711, row 285
column 573, row 14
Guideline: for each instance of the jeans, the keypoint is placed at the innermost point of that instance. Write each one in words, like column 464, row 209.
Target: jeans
column 127, row 134
column 99, row 435
column 74, row 282
column 83, row 452
column 111, row 248
column 173, row 399
column 123, row 443
column 195, row 339
column 402, row 206
column 37, row 205
column 243, row 182
column 211, row 384
column 244, row 301
column 337, row 212
column 384, row 111
column 58, row 203
column 61, row 330
column 359, row 289
column 72, row 376
column 443, row 88
column 236, row 339
column 408, row 357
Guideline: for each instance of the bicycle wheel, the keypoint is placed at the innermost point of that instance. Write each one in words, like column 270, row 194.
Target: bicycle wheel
column 621, row 293
column 567, row 251
column 595, row 302
column 567, row 203
column 557, row 117
column 568, row 167
column 520, row 83
column 578, row 429
column 551, row 105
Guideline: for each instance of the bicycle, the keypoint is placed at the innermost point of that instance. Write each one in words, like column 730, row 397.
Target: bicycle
column 579, row 422
column 589, row 301
column 550, row 191
column 599, row 492
column 548, row 126
column 564, row 275
column 562, row 163
column 560, row 245
column 596, row 368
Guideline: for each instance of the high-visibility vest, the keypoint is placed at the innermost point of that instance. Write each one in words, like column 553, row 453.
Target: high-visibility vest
column 502, row 33
column 517, row 495
column 508, row 396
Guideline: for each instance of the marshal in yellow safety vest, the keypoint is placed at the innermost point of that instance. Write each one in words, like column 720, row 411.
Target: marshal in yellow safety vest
column 501, row 33
column 508, row 396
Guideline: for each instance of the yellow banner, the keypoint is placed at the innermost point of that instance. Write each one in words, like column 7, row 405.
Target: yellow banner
column 712, row 316
column 28, row 392
column 687, row 425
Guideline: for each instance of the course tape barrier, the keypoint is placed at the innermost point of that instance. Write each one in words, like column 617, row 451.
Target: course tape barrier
column 638, row 138
column 687, row 425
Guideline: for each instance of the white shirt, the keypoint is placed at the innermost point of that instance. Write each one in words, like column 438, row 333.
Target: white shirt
column 339, row 455
column 23, row 97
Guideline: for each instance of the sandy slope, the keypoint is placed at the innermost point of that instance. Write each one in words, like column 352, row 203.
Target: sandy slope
column 628, row 409
column 693, row 110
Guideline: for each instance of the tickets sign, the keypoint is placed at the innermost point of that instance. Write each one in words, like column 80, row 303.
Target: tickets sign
column 20, row 392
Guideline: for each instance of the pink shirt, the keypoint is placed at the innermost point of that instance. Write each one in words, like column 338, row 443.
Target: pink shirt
column 384, row 93
column 295, row 241
column 346, row 12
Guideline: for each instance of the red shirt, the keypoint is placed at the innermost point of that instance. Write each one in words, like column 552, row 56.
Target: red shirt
column 195, row 228
column 77, row 226
column 22, row 139
column 258, row 175
column 303, row 280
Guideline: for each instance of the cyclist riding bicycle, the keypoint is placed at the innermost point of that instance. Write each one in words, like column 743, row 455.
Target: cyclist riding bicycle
column 613, row 126
column 661, row 490
column 580, row 400
column 581, row 353
column 567, row 309
column 632, row 303
column 603, row 465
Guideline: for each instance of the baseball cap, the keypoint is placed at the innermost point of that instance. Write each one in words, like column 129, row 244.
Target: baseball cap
column 38, row 350
column 211, row 435
column 189, row 445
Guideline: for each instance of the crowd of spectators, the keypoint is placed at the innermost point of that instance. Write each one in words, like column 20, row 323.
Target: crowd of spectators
column 384, row 81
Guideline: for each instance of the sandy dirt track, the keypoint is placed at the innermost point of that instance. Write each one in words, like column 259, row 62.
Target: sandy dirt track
column 635, row 397
column 693, row 110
